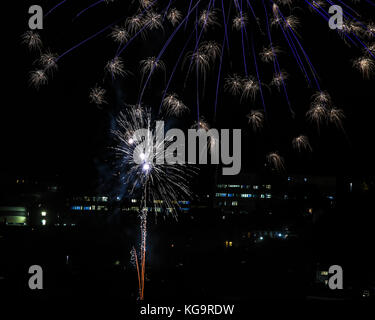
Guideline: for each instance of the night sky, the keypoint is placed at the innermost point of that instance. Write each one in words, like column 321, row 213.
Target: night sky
column 56, row 131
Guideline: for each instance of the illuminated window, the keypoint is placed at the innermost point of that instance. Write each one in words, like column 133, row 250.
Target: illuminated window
column 221, row 186
column 268, row 186
column 230, row 195
column 221, row 194
column 255, row 187
column 44, row 222
column 158, row 201
column 324, row 273
column 234, row 186
column 262, row 196
column 43, row 213
column 134, row 200
column 184, row 202
column 268, row 196
column 246, row 195
column 228, row 244
column 234, row 203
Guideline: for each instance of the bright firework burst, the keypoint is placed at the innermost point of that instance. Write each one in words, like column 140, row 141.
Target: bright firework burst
column 157, row 184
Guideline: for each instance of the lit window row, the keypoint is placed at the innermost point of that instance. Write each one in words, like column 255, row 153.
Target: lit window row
column 88, row 208
column 243, row 186
column 93, row 199
column 243, row 195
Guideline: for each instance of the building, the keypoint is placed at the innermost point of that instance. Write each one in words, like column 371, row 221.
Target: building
column 13, row 216
column 247, row 193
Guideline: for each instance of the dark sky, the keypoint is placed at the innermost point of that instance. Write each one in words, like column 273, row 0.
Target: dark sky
column 56, row 131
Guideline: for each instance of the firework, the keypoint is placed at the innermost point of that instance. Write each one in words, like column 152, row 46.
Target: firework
column 234, row 42
column 256, row 119
column 174, row 16
column 317, row 114
column 48, row 61
column 212, row 49
column 32, row 40
column 38, row 78
column 207, row 19
column 279, row 79
column 301, row 143
column 233, row 84
column 275, row 161
column 154, row 182
column 120, row 34
column 173, row 105
column 154, row 21
column 365, row 65
column 232, row 21
column 115, row 67
column 151, row 65
column 134, row 23
column 97, row 96
column 249, row 88
column 239, row 22
column 269, row 54
column 336, row 116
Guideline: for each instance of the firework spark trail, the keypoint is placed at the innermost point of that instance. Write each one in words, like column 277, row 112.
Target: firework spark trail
column 198, row 38
column 89, row 7
column 165, row 47
column 93, row 36
column 55, row 7
column 219, row 76
column 174, row 69
column 275, row 60
column 242, row 39
column 292, row 46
